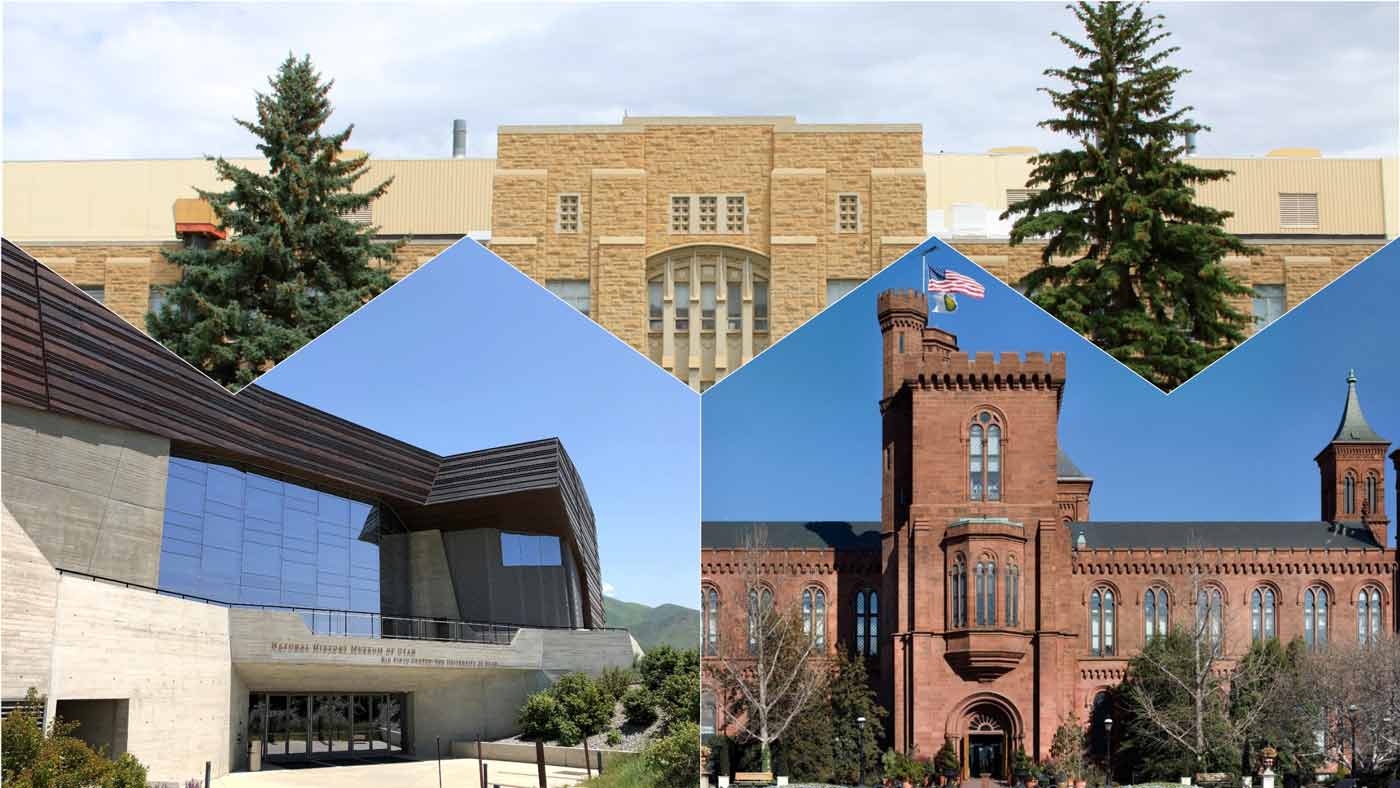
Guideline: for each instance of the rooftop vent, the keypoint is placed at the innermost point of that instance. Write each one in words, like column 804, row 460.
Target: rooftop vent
column 459, row 139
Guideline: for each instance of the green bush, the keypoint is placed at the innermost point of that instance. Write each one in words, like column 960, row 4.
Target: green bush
column 679, row 699
column 615, row 681
column 584, row 705
column 674, row 759
column 614, row 737
column 719, row 745
column 640, row 707
column 30, row 759
column 664, row 661
column 540, row 717
column 900, row 766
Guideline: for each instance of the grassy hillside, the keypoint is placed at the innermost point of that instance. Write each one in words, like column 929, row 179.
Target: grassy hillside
column 652, row 626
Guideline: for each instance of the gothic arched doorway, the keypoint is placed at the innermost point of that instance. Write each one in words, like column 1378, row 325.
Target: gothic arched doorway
column 987, row 730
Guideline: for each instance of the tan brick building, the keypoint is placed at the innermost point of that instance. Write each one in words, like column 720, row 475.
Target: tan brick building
column 698, row 241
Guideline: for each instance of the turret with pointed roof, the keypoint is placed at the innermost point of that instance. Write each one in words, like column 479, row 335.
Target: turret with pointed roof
column 1353, row 470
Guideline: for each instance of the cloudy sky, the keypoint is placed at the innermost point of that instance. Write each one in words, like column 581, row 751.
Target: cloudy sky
column 115, row 81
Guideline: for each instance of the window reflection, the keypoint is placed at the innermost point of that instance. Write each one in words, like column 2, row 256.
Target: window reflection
column 242, row 538
column 295, row 727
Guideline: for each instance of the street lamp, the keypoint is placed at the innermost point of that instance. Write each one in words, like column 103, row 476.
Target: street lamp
column 1351, row 717
column 1108, row 734
column 860, row 750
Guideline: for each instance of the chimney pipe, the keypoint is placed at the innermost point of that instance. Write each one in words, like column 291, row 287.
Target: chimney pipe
column 459, row 139
column 1190, row 142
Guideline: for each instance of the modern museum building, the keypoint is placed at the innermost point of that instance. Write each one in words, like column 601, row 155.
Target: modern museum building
column 196, row 576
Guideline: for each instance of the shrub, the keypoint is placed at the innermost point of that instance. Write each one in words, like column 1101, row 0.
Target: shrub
column 674, row 759
column 946, row 759
column 901, row 766
column 640, row 706
column 614, row 737
column 615, row 681
column 679, row 699
column 127, row 772
column 28, row 758
column 584, row 706
column 666, row 661
column 540, row 717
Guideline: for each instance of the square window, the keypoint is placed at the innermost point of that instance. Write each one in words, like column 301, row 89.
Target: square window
column 847, row 213
column 836, row 288
column 568, row 213
column 157, row 299
column 736, row 214
column 680, row 214
column 1268, row 304
column 573, row 291
column 98, row 293
column 709, row 214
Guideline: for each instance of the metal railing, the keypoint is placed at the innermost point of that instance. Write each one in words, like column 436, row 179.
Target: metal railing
column 354, row 623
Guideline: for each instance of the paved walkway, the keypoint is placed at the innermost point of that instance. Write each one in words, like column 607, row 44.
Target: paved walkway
column 456, row 773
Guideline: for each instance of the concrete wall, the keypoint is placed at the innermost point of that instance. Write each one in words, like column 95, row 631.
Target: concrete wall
column 28, row 605
column 167, row 658
column 90, row 497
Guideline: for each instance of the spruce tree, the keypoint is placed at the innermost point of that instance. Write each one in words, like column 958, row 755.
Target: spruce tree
column 292, row 265
column 1131, row 260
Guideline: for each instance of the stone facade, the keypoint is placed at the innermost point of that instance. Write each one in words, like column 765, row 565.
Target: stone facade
column 1300, row 268
column 995, row 679
column 130, row 275
column 775, row 237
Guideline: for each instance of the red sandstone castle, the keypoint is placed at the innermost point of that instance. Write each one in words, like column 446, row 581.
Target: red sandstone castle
column 989, row 605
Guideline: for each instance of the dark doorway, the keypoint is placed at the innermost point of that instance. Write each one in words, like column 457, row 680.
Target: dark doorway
column 986, row 754
column 101, row 723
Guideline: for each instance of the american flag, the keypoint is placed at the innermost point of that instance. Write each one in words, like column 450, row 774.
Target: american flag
column 950, row 281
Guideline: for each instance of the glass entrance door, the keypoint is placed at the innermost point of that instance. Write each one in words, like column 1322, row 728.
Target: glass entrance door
column 317, row 726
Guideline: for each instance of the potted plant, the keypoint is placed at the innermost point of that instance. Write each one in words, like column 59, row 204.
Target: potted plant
column 1021, row 766
column 946, row 762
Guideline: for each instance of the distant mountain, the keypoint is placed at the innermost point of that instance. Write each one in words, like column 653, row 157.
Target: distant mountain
column 652, row 626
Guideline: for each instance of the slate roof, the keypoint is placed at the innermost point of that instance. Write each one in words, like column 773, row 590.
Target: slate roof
column 792, row 535
column 1104, row 535
column 1353, row 427
column 1065, row 467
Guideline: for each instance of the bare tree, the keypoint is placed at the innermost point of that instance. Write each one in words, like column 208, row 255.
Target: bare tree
column 770, row 678
column 1357, row 688
column 1181, row 686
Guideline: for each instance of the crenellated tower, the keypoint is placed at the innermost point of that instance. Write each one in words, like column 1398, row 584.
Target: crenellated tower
column 1353, row 471
column 971, row 524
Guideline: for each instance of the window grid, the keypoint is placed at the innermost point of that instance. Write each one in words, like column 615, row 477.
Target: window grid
column 707, row 220
column 814, row 616
column 1368, row 616
column 1263, row 615
column 759, row 605
column 867, row 622
column 1101, row 624
column 709, row 602
column 1315, row 618
column 680, row 214
column 958, row 592
column 1154, row 613
column 568, row 214
column 736, row 213
column 848, row 213
column 984, row 458
column 574, row 292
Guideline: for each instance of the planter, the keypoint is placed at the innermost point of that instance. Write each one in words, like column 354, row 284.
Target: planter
column 782, row 781
column 724, row 781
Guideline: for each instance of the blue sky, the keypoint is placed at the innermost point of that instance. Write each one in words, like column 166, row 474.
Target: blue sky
column 795, row 434
column 467, row 353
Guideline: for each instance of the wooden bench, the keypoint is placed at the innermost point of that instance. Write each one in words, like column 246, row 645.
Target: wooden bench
column 753, row 778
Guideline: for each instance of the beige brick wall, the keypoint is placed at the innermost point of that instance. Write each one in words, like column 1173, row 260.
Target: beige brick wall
column 1302, row 268
column 626, row 177
column 127, row 272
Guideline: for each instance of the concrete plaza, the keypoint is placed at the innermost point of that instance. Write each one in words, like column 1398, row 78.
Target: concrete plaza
column 456, row 773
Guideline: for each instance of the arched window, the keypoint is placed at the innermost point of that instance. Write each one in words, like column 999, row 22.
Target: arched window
column 1315, row 618
column 1349, row 494
column 984, row 457
column 986, row 592
column 1013, row 595
column 1371, row 486
column 1368, row 616
column 867, row 622
column 1262, row 617
column 1210, row 623
column 814, row 615
column 1101, row 610
column 759, row 606
column 1154, row 613
column 957, row 593
column 709, row 608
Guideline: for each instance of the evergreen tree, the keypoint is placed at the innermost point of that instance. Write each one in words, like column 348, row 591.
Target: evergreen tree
column 850, row 698
column 1271, row 685
column 1131, row 260
column 293, row 265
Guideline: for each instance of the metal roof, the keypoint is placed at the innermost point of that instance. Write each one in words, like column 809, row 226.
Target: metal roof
column 791, row 535
column 1065, row 467
column 1353, row 427
column 1102, row 535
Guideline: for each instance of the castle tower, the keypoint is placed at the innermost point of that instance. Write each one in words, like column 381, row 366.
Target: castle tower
column 1353, row 470
column 971, row 524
